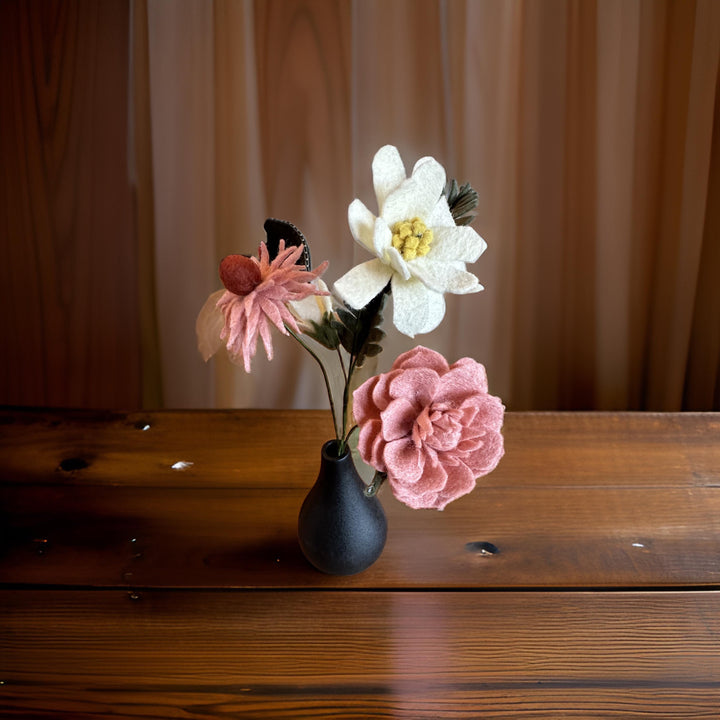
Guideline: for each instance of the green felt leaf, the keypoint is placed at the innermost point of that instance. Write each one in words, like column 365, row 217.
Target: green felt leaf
column 359, row 330
column 462, row 201
column 326, row 334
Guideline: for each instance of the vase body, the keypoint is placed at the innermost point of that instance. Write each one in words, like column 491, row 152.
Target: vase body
column 341, row 531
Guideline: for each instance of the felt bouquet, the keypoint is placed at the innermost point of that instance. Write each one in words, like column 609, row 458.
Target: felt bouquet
column 428, row 427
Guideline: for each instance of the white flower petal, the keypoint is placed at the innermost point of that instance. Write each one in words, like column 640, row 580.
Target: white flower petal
column 456, row 243
column 361, row 284
column 394, row 258
column 208, row 326
column 445, row 277
column 382, row 237
column 388, row 172
column 362, row 224
column 312, row 308
column 418, row 195
column 416, row 308
column 441, row 215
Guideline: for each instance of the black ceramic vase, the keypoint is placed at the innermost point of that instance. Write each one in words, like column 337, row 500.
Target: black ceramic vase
column 341, row 530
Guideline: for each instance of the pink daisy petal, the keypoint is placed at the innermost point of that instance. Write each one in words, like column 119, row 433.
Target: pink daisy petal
column 261, row 300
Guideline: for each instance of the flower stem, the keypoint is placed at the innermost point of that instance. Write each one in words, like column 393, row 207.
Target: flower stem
column 350, row 432
column 346, row 396
column 339, row 435
column 342, row 363
column 372, row 489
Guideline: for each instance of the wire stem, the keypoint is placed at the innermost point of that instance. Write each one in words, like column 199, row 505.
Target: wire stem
column 339, row 435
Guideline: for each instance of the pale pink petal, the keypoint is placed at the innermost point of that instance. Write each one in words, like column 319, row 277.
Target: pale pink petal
column 446, row 435
column 435, row 473
column 489, row 416
column 209, row 325
column 422, row 492
column 465, row 377
column 418, row 385
column 487, row 456
column 381, row 392
column 267, row 339
column 421, row 357
column 404, row 462
column 460, row 482
column 371, row 444
column 397, row 419
column 364, row 409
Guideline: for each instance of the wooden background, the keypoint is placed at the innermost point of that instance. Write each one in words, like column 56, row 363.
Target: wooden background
column 600, row 202
column 69, row 317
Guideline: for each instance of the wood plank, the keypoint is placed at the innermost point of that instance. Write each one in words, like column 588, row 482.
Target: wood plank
column 68, row 276
column 259, row 448
column 219, row 537
column 580, row 500
column 362, row 654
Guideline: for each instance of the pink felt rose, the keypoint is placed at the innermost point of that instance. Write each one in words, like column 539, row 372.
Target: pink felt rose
column 431, row 427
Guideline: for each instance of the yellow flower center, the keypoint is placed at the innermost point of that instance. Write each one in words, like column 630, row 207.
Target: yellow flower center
column 411, row 238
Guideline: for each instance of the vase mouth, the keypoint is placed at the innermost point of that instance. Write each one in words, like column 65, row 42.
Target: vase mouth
column 330, row 451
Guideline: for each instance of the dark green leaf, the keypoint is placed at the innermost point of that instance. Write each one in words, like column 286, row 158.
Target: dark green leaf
column 325, row 334
column 462, row 201
column 359, row 330
column 277, row 230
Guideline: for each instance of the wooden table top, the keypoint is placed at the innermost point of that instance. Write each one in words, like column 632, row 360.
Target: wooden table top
column 580, row 579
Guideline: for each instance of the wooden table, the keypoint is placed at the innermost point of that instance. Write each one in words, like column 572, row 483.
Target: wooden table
column 579, row 580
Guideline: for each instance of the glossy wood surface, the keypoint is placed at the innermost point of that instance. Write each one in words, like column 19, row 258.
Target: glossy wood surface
column 580, row 579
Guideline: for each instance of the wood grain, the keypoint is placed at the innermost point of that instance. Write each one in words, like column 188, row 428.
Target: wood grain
column 129, row 589
column 580, row 500
column 370, row 655
column 68, row 276
column 251, row 448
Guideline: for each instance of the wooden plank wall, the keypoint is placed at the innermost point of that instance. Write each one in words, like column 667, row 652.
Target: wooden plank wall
column 69, row 316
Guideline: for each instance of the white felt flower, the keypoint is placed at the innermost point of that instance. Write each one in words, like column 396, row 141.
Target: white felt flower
column 313, row 308
column 417, row 245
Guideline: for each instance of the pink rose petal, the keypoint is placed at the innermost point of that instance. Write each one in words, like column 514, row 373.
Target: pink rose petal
column 403, row 460
column 364, row 408
column 397, row 419
column 465, row 377
column 416, row 385
column 460, row 482
column 421, row 357
column 431, row 427
column 371, row 444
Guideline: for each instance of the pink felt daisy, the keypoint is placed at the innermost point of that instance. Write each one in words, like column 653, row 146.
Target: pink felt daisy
column 256, row 295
